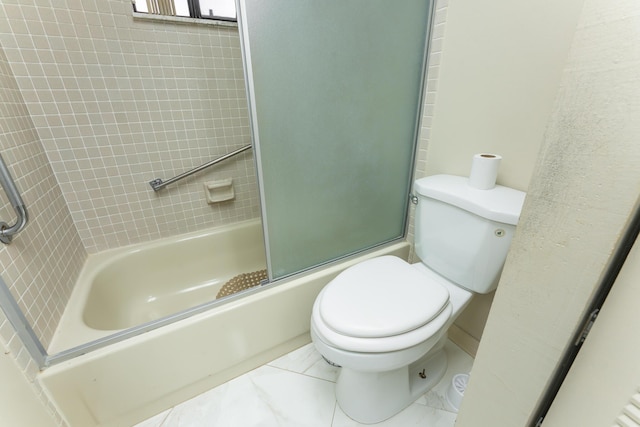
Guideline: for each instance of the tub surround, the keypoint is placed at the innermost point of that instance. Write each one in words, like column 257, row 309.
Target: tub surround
column 30, row 265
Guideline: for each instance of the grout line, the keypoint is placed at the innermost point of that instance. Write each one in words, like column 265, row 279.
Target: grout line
column 300, row 373
column 166, row 417
column 333, row 416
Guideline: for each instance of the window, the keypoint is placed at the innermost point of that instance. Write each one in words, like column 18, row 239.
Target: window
column 224, row 10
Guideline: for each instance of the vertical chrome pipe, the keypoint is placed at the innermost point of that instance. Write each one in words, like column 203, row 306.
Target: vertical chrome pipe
column 8, row 231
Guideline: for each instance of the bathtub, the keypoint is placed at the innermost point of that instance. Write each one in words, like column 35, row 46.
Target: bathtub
column 156, row 368
column 125, row 287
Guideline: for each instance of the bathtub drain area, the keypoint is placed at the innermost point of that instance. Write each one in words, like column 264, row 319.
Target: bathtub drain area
column 241, row 282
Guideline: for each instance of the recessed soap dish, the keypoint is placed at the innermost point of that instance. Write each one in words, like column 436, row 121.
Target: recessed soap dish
column 219, row 191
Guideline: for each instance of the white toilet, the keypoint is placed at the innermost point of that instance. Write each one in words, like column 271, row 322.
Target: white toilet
column 384, row 321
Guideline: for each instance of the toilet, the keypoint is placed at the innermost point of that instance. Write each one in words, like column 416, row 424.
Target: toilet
column 384, row 321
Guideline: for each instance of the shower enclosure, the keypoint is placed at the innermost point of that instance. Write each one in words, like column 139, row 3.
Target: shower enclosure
column 335, row 94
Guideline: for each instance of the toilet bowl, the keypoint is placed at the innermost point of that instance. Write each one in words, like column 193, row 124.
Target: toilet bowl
column 390, row 349
column 385, row 320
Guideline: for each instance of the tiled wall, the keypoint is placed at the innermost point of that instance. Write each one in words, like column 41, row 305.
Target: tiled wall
column 41, row 265
column 94, row 105
column 435, row 53
column 119, row 101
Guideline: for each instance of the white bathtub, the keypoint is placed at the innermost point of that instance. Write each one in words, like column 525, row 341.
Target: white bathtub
column 126, row 382
column 125, row 287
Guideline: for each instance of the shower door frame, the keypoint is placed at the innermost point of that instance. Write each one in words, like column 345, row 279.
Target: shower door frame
column 249, row 87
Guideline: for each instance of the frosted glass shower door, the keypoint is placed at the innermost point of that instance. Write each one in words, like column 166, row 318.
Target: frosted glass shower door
column 334, row 90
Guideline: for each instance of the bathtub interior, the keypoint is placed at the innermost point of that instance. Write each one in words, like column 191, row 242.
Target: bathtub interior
column 139, row 284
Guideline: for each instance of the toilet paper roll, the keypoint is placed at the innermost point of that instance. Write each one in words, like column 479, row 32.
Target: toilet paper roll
column 484, row 171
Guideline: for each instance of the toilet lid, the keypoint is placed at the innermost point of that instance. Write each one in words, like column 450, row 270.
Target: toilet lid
column 380, row 297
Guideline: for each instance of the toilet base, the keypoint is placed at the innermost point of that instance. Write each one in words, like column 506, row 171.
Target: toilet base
column 372, row 397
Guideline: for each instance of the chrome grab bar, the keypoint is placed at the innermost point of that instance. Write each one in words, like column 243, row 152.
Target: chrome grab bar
column 8, row 231
column 159, row 184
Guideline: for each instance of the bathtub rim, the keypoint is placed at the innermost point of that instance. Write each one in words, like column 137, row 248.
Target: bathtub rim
column 49, row 360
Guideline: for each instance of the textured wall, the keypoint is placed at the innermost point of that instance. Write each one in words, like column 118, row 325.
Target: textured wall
column 585, row 185
column 118, row 101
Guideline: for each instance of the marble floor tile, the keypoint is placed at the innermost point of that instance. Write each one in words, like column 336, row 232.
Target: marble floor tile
column 155, row 421
column 306, row 360
column 414, row 415
column 265, row 397
column 298, row 390
column 459, row 362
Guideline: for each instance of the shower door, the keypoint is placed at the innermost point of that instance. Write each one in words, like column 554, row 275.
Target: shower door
column 335, row 88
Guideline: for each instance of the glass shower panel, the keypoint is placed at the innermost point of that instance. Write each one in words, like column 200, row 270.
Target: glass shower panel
column 335, row 90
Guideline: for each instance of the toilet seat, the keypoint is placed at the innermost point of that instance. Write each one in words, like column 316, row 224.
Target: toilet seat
column 399, row 299
column 404, row 307
column 380, row 345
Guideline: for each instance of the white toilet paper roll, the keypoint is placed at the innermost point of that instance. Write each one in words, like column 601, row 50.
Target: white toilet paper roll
column 484, row 171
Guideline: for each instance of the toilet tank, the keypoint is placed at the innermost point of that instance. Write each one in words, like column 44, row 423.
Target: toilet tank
column 463, row 233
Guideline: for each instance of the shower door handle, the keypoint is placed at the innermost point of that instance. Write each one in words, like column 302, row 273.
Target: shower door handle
column 8, row 231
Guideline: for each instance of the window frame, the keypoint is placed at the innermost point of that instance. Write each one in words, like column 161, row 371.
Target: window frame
column 194, row 13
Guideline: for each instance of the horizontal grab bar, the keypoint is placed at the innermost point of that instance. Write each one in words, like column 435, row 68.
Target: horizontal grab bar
column 8, row 231
column 159, row 184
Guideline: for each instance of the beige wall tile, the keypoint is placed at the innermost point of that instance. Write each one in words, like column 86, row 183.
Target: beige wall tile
column 42, row 263
column 118, row 102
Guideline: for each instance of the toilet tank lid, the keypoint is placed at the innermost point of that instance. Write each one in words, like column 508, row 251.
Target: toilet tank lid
column 500, row 204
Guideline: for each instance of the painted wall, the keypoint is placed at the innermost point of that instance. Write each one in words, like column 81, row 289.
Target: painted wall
column 118, row 101
column 499, row 65
column 584, row 186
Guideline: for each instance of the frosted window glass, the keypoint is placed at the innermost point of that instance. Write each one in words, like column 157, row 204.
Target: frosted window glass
column 335, row 90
